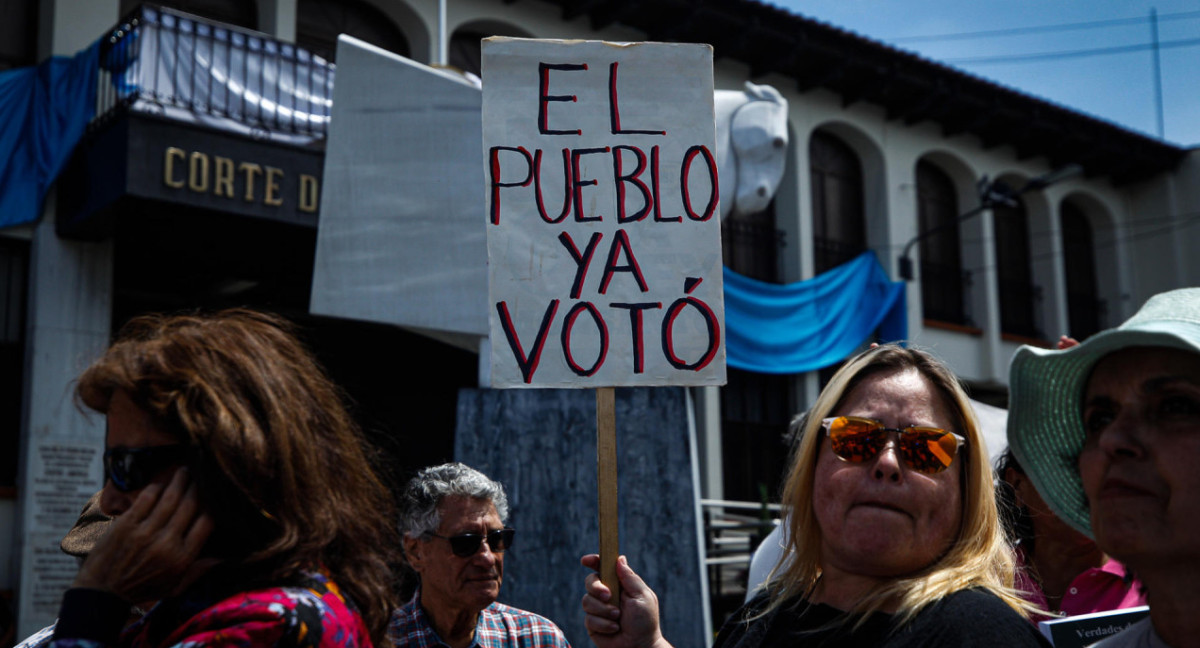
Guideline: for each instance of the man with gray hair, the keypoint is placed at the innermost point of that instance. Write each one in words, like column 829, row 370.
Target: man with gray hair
column 452, row 519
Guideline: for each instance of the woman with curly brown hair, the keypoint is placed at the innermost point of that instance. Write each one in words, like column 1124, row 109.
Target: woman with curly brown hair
column 242, row 491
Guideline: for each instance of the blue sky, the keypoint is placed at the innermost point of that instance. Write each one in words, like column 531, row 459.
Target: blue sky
column 1117, row 86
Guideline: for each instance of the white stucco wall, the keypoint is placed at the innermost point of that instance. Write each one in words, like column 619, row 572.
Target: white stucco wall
column 1144, row 233
column 889, row 151
column 1134, row 257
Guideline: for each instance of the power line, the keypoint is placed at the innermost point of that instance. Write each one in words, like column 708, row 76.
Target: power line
column 1016, row 31
column 1167, row 224
column 1135, row 228
column 1131, row 231
column 1067, row 54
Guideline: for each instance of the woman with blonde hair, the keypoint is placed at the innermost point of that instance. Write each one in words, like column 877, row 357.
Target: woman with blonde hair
column 893, row 536
column 242, row 494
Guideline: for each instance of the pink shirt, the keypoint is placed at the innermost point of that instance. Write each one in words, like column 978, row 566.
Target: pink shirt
column 1097, row 589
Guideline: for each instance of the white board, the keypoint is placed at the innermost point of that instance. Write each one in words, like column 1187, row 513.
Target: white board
column 603, row 228
column 400, row 238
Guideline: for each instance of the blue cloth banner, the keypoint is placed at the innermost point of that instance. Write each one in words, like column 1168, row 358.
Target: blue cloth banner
column 808, row 325
column 43, row 112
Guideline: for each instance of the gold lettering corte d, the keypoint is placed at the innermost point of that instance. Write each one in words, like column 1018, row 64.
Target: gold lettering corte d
column 169, row 157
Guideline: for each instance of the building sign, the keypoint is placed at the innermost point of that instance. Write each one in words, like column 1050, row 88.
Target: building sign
column 603, row 226
column 152, row 159
column 202, row 173
column 228, row 173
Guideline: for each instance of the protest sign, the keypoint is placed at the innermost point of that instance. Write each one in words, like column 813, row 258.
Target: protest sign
column 603, row 224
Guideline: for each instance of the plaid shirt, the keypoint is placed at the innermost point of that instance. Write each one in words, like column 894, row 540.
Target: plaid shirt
column 499, row 626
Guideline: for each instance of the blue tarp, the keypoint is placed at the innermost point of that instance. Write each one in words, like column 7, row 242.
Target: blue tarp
column 808, row 325
column 43, row 112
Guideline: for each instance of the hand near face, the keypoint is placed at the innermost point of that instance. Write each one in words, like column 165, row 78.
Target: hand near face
column 1066, row 342
column 634, row 624
column 152, row 550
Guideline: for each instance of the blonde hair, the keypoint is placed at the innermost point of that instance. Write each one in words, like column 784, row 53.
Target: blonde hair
column 978, row 558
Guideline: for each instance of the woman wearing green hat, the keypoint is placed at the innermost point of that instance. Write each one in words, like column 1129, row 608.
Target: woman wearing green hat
column 1109, row 433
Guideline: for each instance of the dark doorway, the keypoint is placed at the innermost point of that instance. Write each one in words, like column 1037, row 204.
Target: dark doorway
column 839, row 223
column 402, row 387
column 1085, row 309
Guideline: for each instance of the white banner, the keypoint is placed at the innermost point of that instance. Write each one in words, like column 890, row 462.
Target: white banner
column 401, row 236
column 604, row 253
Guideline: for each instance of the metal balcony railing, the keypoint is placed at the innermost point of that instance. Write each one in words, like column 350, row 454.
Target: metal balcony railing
column 732, row 531
column 751, row 248
column 829, row 253
column 181, row 67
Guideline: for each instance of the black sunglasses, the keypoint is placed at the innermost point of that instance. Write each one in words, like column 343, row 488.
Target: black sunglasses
column 466, row 544
column 133, row 468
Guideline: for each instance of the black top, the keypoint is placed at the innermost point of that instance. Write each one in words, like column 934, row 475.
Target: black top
column 965, row 618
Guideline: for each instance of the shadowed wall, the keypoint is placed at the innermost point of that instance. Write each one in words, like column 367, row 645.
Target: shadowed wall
column 541, row 444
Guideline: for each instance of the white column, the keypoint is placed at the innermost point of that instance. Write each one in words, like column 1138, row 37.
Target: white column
column 901, row 225
column 708, row 442
column 1049, row 271
column 988, row 283
column 69, row 313
column 278, row 18
column 70, row 309
column 67, row 26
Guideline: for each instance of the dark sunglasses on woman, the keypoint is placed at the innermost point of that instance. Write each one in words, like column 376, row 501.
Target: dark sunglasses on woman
column 132, row 468
column 926, row 450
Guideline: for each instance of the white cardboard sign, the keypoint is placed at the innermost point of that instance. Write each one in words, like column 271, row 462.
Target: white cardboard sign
column 603, row 220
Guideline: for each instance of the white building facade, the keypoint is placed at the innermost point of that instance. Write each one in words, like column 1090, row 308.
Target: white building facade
column 885, row 147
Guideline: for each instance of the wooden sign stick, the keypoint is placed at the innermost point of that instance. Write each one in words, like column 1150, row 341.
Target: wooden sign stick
column 606, row 478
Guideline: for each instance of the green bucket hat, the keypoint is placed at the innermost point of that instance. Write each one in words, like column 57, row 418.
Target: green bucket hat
column 1046, row 388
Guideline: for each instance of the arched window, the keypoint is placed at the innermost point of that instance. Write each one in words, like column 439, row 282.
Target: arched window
column 839, row 227
column 465, row 51
column 941, row 260
column 1018, row 297
column 1084, row 307
column 233, row 12
column 318, row 23
column 750, row 244
column 18, row 34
